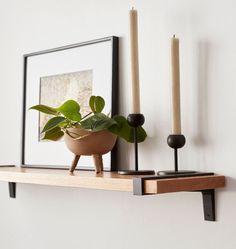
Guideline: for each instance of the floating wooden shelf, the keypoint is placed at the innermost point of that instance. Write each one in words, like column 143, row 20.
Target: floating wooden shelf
column 139, row 185
column 107, row 180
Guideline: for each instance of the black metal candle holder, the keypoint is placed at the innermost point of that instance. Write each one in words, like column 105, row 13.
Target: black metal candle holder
column 176, row 142
column 136, row 120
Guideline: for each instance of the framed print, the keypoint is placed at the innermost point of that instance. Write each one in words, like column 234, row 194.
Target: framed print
column 53, row 76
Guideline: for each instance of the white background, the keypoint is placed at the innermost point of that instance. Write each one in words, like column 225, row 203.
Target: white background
column 58, row 218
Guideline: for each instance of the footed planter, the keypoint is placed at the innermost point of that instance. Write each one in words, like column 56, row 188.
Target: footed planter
column 82, row 142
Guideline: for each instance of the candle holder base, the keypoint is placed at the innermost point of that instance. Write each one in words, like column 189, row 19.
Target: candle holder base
column 136, row 172
column 179, row 172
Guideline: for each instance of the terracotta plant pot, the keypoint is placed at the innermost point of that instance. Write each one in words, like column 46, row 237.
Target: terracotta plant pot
column 95, row 144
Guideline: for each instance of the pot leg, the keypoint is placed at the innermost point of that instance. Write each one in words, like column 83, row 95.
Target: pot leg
column 98, row 163
column 74, row 163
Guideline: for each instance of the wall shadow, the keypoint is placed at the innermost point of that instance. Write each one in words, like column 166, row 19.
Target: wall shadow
column 201, row 116
column 123, row 150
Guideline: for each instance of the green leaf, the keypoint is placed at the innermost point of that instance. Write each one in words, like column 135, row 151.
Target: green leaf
column 45, row 109
column 53, row 134
column 103, row 124
column 52, row 123
column 121, row 128
column 97, row 122
column 99, row 104
column 141, row 135
column 125, row 131
column 96, row 104
column 70, row 109
column 91, row 103
column 65, row 124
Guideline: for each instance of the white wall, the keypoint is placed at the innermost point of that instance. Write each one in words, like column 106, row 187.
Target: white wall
column 52, row 217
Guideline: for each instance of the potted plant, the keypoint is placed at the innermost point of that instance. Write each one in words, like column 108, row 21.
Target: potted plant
column 93, row 134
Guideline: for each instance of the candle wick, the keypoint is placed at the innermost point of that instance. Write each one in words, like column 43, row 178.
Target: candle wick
column 132, row 8
column 174, row 36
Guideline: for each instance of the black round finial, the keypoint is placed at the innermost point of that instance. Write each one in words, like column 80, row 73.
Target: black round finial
column 176, row 141
column 136, row 119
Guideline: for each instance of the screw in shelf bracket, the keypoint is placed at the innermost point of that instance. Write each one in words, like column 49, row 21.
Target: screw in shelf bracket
column 12, row 189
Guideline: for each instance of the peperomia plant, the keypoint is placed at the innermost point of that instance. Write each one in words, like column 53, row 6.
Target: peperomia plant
column 68, row 116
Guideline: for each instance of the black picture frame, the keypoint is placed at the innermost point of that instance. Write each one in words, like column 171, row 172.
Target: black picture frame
column 114, row 40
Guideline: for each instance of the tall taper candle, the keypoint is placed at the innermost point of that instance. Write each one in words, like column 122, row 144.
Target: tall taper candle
column 176, row 114
column 134, row 60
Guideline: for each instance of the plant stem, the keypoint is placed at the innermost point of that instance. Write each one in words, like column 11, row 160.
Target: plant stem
column 86, row 116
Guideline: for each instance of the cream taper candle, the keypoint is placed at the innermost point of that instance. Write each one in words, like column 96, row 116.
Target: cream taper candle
column 176, row 113
column 134, row 60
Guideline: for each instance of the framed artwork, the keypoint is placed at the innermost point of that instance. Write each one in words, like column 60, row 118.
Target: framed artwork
column 53, row 76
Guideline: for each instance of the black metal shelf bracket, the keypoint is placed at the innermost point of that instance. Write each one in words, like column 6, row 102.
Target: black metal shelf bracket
column 208, row 196
column 12, row 189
